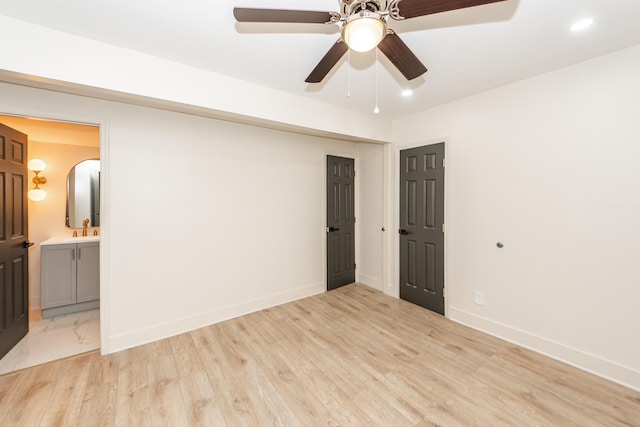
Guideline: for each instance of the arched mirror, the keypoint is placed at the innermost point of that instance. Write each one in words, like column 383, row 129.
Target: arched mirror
column 83, row 194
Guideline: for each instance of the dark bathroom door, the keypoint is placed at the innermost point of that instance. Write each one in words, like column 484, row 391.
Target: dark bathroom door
column 14, row 278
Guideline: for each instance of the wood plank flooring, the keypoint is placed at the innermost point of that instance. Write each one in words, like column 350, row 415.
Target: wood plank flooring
column 352, row 357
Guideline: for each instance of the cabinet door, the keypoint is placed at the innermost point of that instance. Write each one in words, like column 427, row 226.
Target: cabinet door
column 58, row 275
column 88, row 271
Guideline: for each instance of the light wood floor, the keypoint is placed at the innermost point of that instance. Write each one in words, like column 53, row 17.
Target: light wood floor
column 348, row 357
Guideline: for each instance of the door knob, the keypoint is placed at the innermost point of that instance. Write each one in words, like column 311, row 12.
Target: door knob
column 329, row 229
column 403, row 231
column 27, row 244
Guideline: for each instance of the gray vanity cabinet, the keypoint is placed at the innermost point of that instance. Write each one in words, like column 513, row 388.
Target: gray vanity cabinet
column 88, row 272
column 69, row 277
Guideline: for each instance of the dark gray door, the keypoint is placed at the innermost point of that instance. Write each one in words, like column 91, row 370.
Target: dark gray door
column 422, row 226
column 14, row 279
column 341, row 267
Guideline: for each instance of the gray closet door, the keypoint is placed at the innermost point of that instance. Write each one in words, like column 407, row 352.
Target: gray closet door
column 341, row 267
column 422, row 226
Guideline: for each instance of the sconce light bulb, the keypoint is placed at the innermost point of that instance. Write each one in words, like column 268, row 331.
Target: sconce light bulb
column 36, row 165
column 37, row 194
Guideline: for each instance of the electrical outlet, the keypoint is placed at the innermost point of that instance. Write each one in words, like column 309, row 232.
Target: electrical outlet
column 478, row 298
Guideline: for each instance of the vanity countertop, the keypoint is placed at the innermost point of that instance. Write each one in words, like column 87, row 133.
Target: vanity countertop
column 68, row 240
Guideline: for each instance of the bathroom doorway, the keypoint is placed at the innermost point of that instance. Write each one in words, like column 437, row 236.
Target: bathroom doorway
column 61, row 333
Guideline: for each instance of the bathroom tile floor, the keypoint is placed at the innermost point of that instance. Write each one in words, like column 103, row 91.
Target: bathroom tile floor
column 54, row 338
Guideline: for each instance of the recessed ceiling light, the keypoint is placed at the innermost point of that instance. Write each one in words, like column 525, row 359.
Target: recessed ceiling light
column 407, row 93
column 582, row 24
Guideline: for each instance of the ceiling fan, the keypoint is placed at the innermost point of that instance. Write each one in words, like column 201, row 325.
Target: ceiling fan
column 364, row 27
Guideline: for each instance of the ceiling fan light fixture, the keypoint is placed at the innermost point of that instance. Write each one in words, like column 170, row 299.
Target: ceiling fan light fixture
column 364, row 31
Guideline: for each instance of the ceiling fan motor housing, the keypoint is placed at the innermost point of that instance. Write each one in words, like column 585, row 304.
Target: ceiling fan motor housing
column 352, row 7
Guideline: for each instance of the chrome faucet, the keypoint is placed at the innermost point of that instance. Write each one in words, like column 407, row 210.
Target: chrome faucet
column 85, row 224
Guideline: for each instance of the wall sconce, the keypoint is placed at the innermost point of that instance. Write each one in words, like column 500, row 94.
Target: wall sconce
column 36, row 193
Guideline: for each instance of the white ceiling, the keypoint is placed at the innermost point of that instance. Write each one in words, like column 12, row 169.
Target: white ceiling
column 466, row 51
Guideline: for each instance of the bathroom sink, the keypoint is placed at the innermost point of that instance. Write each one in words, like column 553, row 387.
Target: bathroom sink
column 82, row 239
column 62, row 240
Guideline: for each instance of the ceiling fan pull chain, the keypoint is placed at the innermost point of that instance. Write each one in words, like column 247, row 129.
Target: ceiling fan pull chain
column 349, row 74
column 376, row 110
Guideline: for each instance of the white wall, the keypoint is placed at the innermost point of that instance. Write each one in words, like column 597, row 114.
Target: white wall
column 549, row 166
column 202, row 219
column 370, row 220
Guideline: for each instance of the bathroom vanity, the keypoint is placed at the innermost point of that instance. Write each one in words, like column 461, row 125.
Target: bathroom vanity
column 69, row 275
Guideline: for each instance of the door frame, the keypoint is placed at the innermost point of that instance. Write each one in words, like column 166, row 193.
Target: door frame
column 391, row 241
column 102, row 123
column 356, row 210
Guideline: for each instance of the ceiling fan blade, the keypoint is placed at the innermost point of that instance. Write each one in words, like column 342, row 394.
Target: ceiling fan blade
column 246, row 14
column 413, row 8
column 401, row 56
column 329, row 60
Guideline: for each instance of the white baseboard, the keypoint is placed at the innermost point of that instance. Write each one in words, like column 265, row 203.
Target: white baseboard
column 157, row 332
column 612, row 371
column 370, row 281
